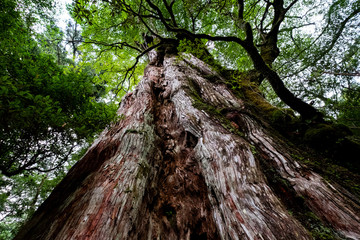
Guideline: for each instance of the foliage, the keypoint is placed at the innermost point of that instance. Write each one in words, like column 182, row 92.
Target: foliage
column 320, row 51
column 51, row 42
column 104, row 50
column 349, row 106
column 49, row 109
column 61, row 102
column 20, row 199
column 46, row 109
column 20, row 195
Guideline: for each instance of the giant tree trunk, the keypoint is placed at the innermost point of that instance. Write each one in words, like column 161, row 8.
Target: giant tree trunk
column 187, row 160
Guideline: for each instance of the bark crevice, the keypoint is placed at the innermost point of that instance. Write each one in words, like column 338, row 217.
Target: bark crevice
column 178, row 207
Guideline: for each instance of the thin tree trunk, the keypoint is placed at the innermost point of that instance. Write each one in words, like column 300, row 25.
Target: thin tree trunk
column 188, row 161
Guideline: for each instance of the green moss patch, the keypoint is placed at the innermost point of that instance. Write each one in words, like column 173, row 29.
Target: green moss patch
column 333, row 140
column 195, row 93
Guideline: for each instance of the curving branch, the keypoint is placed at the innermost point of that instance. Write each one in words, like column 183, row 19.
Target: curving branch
column 119, row 45
column 161, row 16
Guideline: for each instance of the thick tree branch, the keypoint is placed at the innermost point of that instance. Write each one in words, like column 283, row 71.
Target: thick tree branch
column 241, row 9
column 269, row 49
column 170, row 11
column 162, row 18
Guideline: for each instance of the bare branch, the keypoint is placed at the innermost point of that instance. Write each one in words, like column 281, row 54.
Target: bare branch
column 354, row 74
column 295, row 27
column 264, row 17
column 119, row 45
column 130, row 71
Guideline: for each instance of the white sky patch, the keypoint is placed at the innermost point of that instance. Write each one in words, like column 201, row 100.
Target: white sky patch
column 63, row 15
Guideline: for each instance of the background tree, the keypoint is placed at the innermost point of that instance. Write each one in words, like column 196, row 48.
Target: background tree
column 74, row 38
column 49, row 109
column 62, row 102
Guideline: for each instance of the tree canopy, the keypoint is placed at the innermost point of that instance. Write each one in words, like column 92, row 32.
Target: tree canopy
column 307, row 45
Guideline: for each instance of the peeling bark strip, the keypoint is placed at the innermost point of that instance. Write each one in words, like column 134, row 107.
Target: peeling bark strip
column 168, row 170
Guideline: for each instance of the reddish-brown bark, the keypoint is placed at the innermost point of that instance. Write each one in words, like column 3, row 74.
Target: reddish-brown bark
column 173, row 170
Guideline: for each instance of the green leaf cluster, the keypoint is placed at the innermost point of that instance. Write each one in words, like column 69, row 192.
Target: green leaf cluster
column 46, row 109
column 20, row 196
